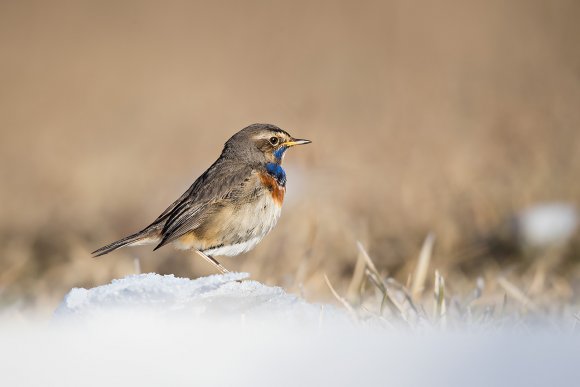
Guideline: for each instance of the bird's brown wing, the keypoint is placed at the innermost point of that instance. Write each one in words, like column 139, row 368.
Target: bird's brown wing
column 207, row 195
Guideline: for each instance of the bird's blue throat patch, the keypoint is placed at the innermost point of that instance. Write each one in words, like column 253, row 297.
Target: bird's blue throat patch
column 277, row 172
column 278, row 153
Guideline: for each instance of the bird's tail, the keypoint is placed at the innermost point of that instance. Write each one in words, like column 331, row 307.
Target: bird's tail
column 144, row 237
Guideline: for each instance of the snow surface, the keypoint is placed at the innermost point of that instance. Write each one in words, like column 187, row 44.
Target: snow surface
column 153, row 330
column 218, row 298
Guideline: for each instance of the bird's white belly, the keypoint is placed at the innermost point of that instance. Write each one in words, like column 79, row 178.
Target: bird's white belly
column 249, row 225
column 235, row 249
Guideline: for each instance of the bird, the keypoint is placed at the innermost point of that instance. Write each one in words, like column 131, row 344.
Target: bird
column 232, row 206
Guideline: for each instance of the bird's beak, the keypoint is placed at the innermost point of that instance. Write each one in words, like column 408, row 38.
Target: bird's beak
column 296, row 141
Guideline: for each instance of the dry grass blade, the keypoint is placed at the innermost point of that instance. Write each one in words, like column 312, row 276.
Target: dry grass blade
column 387, row 300
column 513, row 291
column 391, row 282
column 371, row 270
column 440, row 307
column 367, row 258
column 375, row 277
column 353, row 294
column 422, row 266
column 340, row 299
column 476, row 292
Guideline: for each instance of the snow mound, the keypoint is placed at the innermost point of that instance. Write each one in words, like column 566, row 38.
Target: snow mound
column 222, row 298
column 154, row 330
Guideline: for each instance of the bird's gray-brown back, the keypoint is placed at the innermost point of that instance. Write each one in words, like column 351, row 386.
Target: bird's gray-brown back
column 220, row 182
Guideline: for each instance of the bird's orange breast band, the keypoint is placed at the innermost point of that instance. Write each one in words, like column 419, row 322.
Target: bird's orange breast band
column 276, row 190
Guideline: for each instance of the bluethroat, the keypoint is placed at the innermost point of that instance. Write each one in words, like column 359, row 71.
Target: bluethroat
column 231, row 207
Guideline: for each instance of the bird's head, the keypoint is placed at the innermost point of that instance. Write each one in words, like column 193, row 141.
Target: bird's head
column 263, row 143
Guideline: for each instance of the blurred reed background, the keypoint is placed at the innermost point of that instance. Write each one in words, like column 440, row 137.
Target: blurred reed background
column 449, row 117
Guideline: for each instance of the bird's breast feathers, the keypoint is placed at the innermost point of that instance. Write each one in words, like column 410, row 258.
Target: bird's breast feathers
column 273, row 186
column 239, row 227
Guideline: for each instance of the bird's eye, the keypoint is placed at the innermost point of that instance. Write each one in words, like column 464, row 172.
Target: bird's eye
column 274, row 140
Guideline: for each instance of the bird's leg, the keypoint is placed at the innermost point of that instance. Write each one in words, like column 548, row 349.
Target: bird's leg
column 214, row 262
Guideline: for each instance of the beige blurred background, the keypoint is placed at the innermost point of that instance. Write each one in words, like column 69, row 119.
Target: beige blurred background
column 447, row 117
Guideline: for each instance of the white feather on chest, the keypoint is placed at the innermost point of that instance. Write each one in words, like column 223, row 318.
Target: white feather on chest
column 250, row 225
